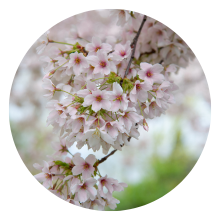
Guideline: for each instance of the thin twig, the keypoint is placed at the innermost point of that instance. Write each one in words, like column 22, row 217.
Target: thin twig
column 107, row 156
column 161, row 61
column 110, row 52
column 85, row 51
column 148, row 53
column 134, row 44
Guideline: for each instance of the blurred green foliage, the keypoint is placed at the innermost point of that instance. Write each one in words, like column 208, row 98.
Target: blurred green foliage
column 32, row 143
column 166, row 174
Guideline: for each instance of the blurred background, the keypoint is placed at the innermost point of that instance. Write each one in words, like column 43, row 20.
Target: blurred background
column 151, row 166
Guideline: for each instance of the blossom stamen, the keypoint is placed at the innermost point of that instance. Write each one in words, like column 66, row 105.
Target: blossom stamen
column 99, row 98
column 102, row 64
column 77, row 60
column 138, row 87
column 149, row 74
column 97, row 48
column 60, row 112
column 122, row 53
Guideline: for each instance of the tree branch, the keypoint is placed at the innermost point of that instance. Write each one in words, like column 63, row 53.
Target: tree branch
column 134, row 44
column 107, row 156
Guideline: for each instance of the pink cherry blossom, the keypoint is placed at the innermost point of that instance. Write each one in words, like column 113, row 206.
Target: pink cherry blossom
column 77, row 122
column 92, row 204
column 96, row 106
column 85, row 190
column 129, row 117
column 160, row 91
column 97, row 45
column 119, row 100
column 122, row 51
column 151, row 73
column 98, row 99
column 122, row 66
column 113, row 128
column 100, row 62
column 46, row 176
column 72, row 180
column 58, row 113
column 94, row 122
column 44, row 42
column 106, row 182
column 139, row 92
column 121, row 15
column 153, row 110
column 47, row 84
column 96, row 137
column 90, row 86
column 78, row 62
column 116, row 186
column 111, row 202
column 84, row 167
column 158, row 35
column 51, row 63
column 145, row 125
column 60, row 147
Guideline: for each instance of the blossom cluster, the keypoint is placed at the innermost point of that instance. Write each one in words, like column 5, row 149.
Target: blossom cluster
column 157, row 43
column 78, row 181
column 103, row 107
column 108, row 90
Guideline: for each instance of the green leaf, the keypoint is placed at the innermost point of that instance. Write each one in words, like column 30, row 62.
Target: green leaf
column 62, row 164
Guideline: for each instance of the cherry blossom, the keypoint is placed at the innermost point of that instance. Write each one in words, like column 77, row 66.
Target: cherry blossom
column 103, row 93
column 97, row 45
column 122, row 51
column 113, row 128
column 51, row 63
column 139, row 92
column 121, row 15
column 119, row 100
column 100, row 62
column 85, row 190
column 60, row 147
column 78, row 62
column 43, row 43
column 98, row 99
column 105, row 182
column 151, row 73
column 90, row 86
column 84, row 166
column 129, row 117
column 47, row 84
column 46, row 176
column 96, row 137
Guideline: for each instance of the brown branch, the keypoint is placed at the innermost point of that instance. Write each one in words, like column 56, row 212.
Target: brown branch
column 147, row 53
column 110, row 52
column 161, row 61
column 107, row 156
column 134, row 44
column 84, row 51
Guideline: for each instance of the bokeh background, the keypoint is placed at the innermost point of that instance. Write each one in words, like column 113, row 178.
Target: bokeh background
column 151, row 166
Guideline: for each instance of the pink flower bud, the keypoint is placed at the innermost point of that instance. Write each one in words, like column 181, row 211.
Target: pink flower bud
column 145, row 125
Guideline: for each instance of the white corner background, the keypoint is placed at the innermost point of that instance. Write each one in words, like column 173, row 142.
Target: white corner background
column 197, row 22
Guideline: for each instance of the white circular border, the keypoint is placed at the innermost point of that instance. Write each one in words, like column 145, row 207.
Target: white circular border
column 22, row 22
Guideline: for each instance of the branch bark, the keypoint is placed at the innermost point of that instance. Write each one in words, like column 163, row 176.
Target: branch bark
column 134, row 44
column 107, row 156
